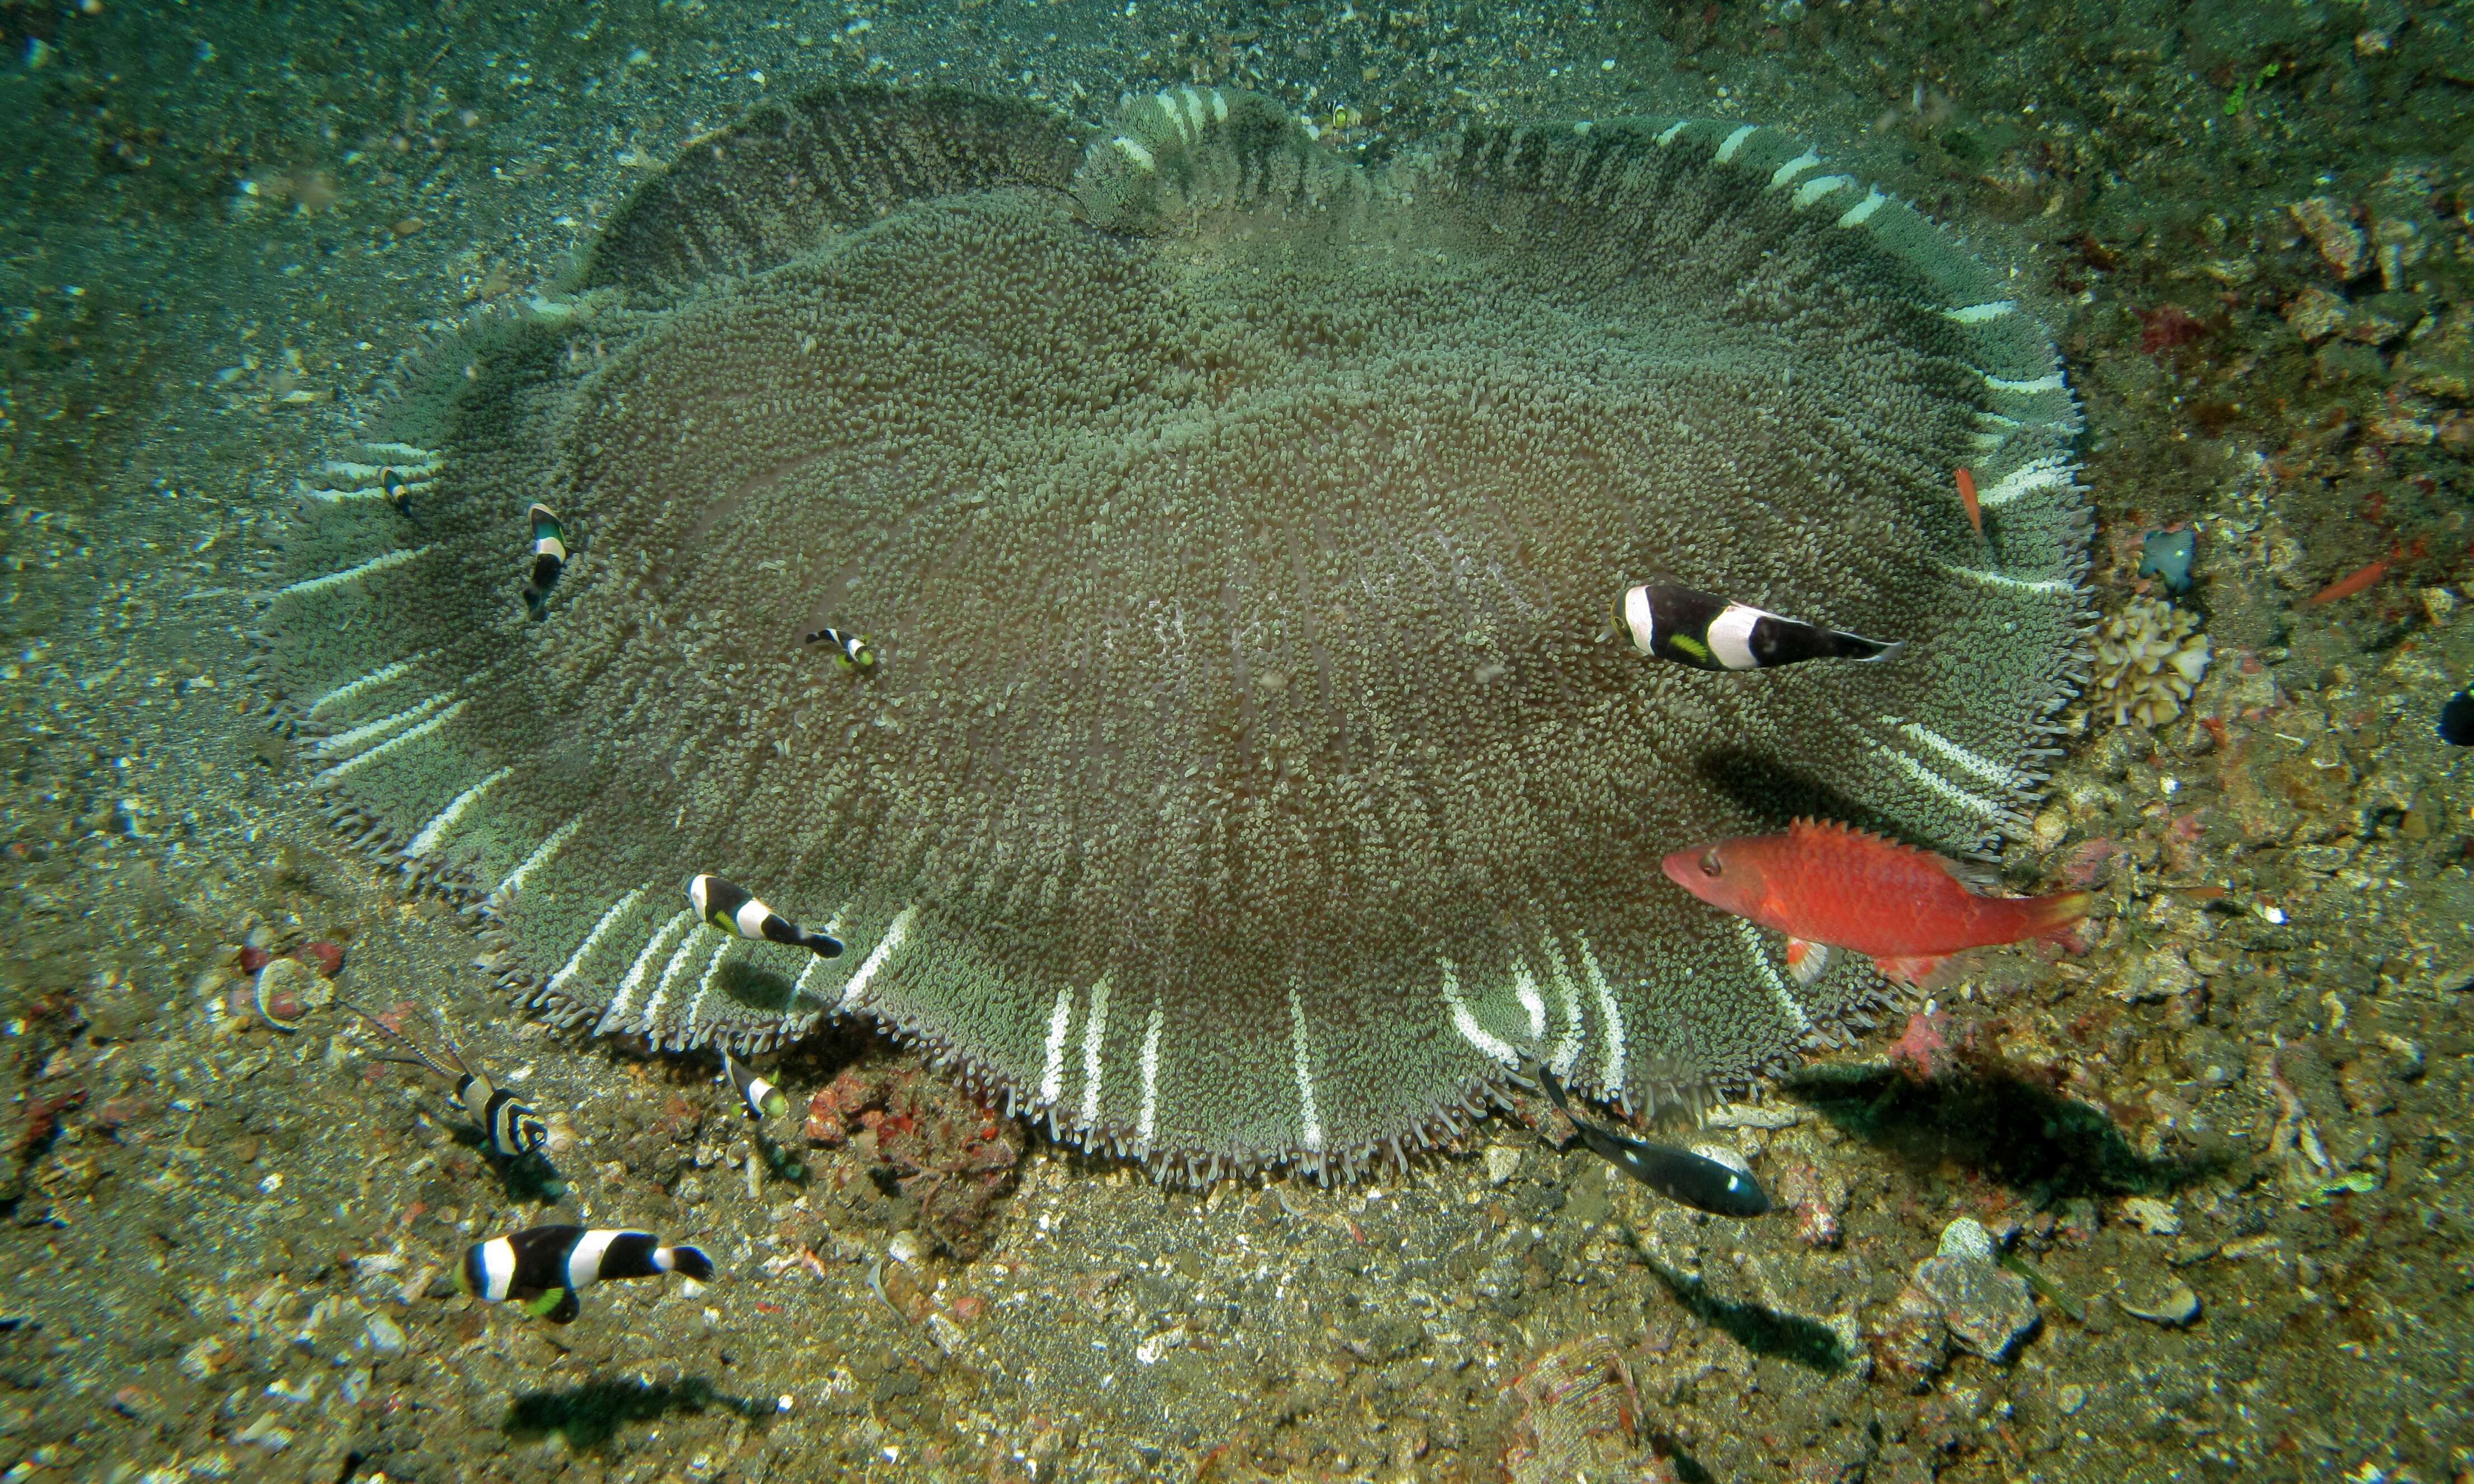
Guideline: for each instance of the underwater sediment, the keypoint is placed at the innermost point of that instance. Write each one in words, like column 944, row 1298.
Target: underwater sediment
column 2188, row 1204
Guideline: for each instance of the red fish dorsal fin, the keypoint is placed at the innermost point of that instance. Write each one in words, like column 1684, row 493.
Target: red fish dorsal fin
column 1837, row 835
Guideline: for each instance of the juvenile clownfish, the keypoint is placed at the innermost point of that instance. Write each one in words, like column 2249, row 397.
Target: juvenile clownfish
column 764, row 1100
column 855, row 653
column 1705, row 1183
column 542, row 1269
column 513, row 1128
column 1825, row 884
column 549, row 557
column 1710, row 632
column 734, row 909
column 397, row 493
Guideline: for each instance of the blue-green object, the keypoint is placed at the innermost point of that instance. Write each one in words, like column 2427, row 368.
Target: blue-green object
column 2167, row 556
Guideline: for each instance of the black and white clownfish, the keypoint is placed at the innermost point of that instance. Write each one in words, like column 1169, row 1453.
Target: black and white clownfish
column 549, row 557
column 764, row 1100
column 397, row 493
column 543, row 1268
column 1681, row 1174
column 513, row 1128
column 1710, row 632
column 854, row 651
column 734, row 909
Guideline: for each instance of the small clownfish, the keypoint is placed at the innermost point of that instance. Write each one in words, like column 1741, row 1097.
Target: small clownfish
column 549, row 557
column 1825, row 884
column 734, row 909
column 764, row 1100
column 1710, row 632
column 513, row 1128
column 542, row 1269
column 1716, row 1182
column 855, row 653
column 397, row 493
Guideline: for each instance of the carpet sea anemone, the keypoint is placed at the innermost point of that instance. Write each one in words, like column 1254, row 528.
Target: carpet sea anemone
column 1242, row 774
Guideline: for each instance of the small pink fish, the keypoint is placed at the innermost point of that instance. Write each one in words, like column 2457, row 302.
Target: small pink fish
column 1825, row 884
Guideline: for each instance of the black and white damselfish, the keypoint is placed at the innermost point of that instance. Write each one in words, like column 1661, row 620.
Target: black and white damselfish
column 853, row 650
column 1680, row 1174
column 550, row 558
column 764, row 1100
column 514, row 1129
column 1708, row 631
column 542, row 1269
column 734, row 909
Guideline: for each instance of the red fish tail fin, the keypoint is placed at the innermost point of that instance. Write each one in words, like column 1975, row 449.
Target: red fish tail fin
column 2058, row 916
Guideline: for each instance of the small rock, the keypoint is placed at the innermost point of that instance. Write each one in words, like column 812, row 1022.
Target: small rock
column 2161, row 975
column 2329, row 224
column 2412, row 432
column 2315, row 314
column 1912, row 1340
column 2176, row 1306
column 204, row 1358
column 2156, row 1218
column 1966, row 1237
column 1818, row 1196
column 1173, row 1338
column 2440, row 362
column 1988, row 1310
column 1501, row 1159
column 381, row 1337
column 2069, row 1398
column 140, row 1403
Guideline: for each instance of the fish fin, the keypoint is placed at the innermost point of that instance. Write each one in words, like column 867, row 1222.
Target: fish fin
column 558, row 1305
column 2058, row 916
column 1927, row 972
column 1912, row 969
column 1806, row 961
column 1976, row 876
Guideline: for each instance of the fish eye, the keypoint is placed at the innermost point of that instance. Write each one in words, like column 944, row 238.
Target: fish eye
column 1711, row 865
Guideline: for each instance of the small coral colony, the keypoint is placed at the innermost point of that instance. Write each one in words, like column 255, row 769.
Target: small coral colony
column 1831, row 894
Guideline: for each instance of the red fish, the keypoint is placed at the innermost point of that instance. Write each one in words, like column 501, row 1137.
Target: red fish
column 1967, row 498
column 1825, row 884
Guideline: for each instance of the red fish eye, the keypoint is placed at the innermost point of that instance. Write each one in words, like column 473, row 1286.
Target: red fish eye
column 1711, row 865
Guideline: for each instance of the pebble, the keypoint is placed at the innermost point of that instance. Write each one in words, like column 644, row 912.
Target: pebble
column 2329, row 224
column 2317, row 314
column 1966, row 1237
column 2156, row 1218
column 204, row 1358
column 1988, row 1310
column 2161, row 975
column 2177, row 1305
column 1501, row 1159
column 381, row 1336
